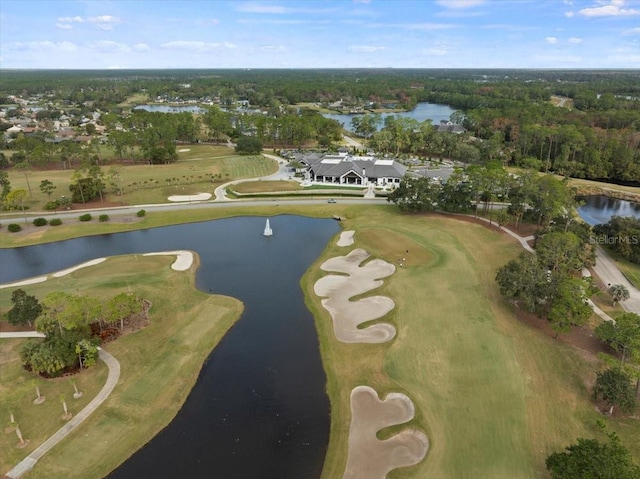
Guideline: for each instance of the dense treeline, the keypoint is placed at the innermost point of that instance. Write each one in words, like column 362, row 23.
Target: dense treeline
column 622, row 235
column 594, row 133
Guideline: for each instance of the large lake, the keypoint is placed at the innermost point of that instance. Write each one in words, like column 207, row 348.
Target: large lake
column 259, row 408
column 600, row 209
column 423, row 111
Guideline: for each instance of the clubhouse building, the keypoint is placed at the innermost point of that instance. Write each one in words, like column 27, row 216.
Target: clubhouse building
column 345, row 169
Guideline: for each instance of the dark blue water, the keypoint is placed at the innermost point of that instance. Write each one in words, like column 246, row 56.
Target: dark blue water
column 259, row 408
column 600, row 209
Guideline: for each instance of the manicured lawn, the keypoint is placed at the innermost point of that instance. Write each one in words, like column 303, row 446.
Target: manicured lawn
column 159, row 364
column 630, row 270
column 494, row 396
column 266, row 186
column 198, row 170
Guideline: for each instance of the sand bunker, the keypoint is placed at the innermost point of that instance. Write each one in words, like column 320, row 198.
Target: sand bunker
column 65, row 272
column 346, row 238
column 39, row 279
column 183, row 261
column 369, row 457
column 198, row 197
column 347, row 315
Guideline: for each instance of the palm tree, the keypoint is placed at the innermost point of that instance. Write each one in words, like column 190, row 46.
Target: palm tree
column 619, row 292
column 39, row 397
column 67, row 415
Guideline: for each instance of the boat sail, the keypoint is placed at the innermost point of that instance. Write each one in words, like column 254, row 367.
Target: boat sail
column 267, row 229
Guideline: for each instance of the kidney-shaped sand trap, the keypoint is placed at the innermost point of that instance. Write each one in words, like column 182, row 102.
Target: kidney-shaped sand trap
column 369, row 457
column 346, row 238
column 347, row 315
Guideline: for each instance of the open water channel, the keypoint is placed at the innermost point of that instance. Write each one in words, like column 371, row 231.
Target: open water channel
column 259, row 409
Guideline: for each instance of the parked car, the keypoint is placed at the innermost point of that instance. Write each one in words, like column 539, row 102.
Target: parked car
column 331, row 200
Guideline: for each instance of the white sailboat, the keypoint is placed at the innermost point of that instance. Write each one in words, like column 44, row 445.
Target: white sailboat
column 267, row 229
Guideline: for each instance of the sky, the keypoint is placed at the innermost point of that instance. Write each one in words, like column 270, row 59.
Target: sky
column 132, row 34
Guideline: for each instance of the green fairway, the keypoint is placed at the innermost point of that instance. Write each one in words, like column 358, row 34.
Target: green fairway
column 494, row 396
column 198, row 170
column 160, row 365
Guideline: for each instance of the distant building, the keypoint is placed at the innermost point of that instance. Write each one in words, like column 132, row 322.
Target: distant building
column 352, row 170
column 448, row 127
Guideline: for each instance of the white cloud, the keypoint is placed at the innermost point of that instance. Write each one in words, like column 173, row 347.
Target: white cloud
column 551, row 40
column 613, row 9
column 459, row 3
column 361, row 1
column 575, row 40
column 75, row 19
column 104, row 22
column 632, row 31
column 141, row 47
column 196, row 46
column 108, row 46
column 569, row 14
column 365, row 48
column 63, row 26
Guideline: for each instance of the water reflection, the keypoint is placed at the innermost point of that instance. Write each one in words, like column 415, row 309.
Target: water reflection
column 600, row 209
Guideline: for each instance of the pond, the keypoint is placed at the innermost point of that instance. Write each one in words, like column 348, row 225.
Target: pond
column 171, row 108
column 599, row 209
column 259, row 408
column 423, row 111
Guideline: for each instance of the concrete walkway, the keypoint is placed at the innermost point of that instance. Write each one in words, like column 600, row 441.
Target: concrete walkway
column 114, row 374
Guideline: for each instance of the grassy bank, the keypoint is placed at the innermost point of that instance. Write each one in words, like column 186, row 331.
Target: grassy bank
column 494, row 396
column 160, row 364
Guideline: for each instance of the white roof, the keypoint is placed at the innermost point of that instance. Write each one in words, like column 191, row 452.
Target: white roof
column 384, row 162
column 331, row 161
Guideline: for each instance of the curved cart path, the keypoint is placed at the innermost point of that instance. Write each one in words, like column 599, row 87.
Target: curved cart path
column 112, row 379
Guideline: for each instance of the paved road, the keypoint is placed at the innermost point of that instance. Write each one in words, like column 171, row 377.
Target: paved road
column 609, row 273
column 112, row 379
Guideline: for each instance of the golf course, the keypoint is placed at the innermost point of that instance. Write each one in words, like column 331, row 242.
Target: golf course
column 494, row 396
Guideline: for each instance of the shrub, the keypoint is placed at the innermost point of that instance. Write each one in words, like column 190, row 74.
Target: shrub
column 103, row 218
column 40, row 222
column 52, row 205
column 14, row 228
column 86, row 217
column 141, row 213
column 55, row 222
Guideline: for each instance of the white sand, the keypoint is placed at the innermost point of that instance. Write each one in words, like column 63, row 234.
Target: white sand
column 39, row 279
column 183, row 261
column 183, row 150
column 338, row 289
column 369, row 457
column 64, row 272
column 198, row 197
column 346, row 238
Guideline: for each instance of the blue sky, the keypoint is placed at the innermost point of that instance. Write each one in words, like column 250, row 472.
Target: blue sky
column 99, row 34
